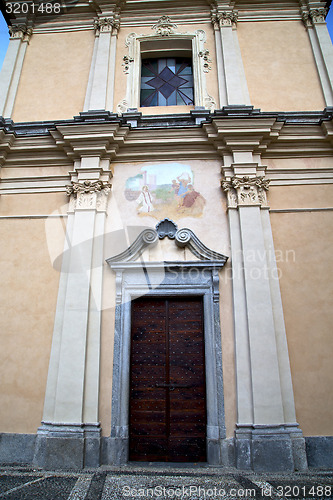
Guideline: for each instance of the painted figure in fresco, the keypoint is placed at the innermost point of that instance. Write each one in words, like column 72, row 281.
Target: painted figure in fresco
column 175, row 187
column 193, row 203
column 165, row 190
column 184, row 180
column 145, row 200
column 190, row 196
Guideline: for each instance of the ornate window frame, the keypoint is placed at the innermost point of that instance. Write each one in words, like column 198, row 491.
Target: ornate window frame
column 135, row 278
column 153, row 44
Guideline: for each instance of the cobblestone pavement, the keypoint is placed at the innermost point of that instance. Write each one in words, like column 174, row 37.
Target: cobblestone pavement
column 161, row 482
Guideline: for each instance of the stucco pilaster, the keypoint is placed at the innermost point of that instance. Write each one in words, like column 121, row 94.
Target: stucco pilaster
column 72, row 393
column 12, row 67
column 314, row 22
column 231, row 76
column 265, row 401
column 100, row 89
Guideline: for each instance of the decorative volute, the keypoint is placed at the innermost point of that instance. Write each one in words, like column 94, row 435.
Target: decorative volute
column 184, row 238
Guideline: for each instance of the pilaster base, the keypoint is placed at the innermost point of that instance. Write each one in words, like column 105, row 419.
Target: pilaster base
column 270, row 448
column 67, row 446
column 51, row 452
column 115, row 450
column 214, row 451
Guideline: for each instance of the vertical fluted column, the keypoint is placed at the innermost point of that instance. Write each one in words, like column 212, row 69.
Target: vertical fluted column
column 12, row 67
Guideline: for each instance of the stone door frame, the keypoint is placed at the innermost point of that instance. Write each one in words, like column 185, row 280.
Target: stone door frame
column 181, row 279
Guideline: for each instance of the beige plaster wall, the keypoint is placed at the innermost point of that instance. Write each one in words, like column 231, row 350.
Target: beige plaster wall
column 303, row 244
column 54, row 76
column 121, row 77
column 28, row 294
column 301, row 196
column 228, row 350
column 18, row 172
column 124, row 223
column 279, row 66
column 299, row 164
column 34, row 204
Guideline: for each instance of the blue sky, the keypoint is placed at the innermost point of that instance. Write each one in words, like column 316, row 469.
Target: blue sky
column 4, row 33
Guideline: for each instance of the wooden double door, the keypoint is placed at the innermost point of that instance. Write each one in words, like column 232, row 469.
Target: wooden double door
column 167, row 383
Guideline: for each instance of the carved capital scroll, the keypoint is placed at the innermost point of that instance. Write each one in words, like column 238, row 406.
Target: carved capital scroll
column 106, row 25
column 89, row 195
column 228, row 18
column 20, row 31
column 314, row 16
column 318, row 15
column 246, row 191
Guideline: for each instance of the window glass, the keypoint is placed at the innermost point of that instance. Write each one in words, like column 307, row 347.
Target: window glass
column 166, row 82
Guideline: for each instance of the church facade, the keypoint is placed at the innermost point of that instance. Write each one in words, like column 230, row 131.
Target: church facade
column 166, row 197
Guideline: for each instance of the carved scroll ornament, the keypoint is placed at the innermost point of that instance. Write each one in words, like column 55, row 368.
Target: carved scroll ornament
column 246, row 191
column 164, row 26
column 106, row 24
column 20, row 31
column 89, row 194
column 314, row 16
column 225, row 18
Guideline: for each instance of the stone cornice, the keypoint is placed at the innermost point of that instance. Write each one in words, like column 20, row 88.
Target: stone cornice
column 81, row 14
column 204, row 135
column 6, row 142
column 298, row 118
column 98, row 139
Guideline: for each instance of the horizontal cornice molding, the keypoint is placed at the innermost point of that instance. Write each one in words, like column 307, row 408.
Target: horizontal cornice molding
column 204, row 135
column 81, row 15
column 168, row 121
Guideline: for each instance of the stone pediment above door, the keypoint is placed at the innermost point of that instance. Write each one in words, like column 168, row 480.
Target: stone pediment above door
column 179, row 238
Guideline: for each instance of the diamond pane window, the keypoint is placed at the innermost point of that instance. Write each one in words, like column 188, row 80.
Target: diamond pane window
column 166, row 82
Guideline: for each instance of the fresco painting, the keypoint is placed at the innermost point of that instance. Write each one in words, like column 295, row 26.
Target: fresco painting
column 165, row 190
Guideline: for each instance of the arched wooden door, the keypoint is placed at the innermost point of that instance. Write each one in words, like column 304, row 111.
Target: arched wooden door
column 167, row 383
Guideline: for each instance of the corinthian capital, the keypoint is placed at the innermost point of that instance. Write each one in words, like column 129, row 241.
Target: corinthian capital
column 20, row 31
column 228, row 18
column 105, row 25
column 245, row 191
column 89, row 194
column 214, row 17
column 318, row 15
column 306, row 20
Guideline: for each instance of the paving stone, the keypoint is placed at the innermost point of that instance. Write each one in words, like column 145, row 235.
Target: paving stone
column 150, row 481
